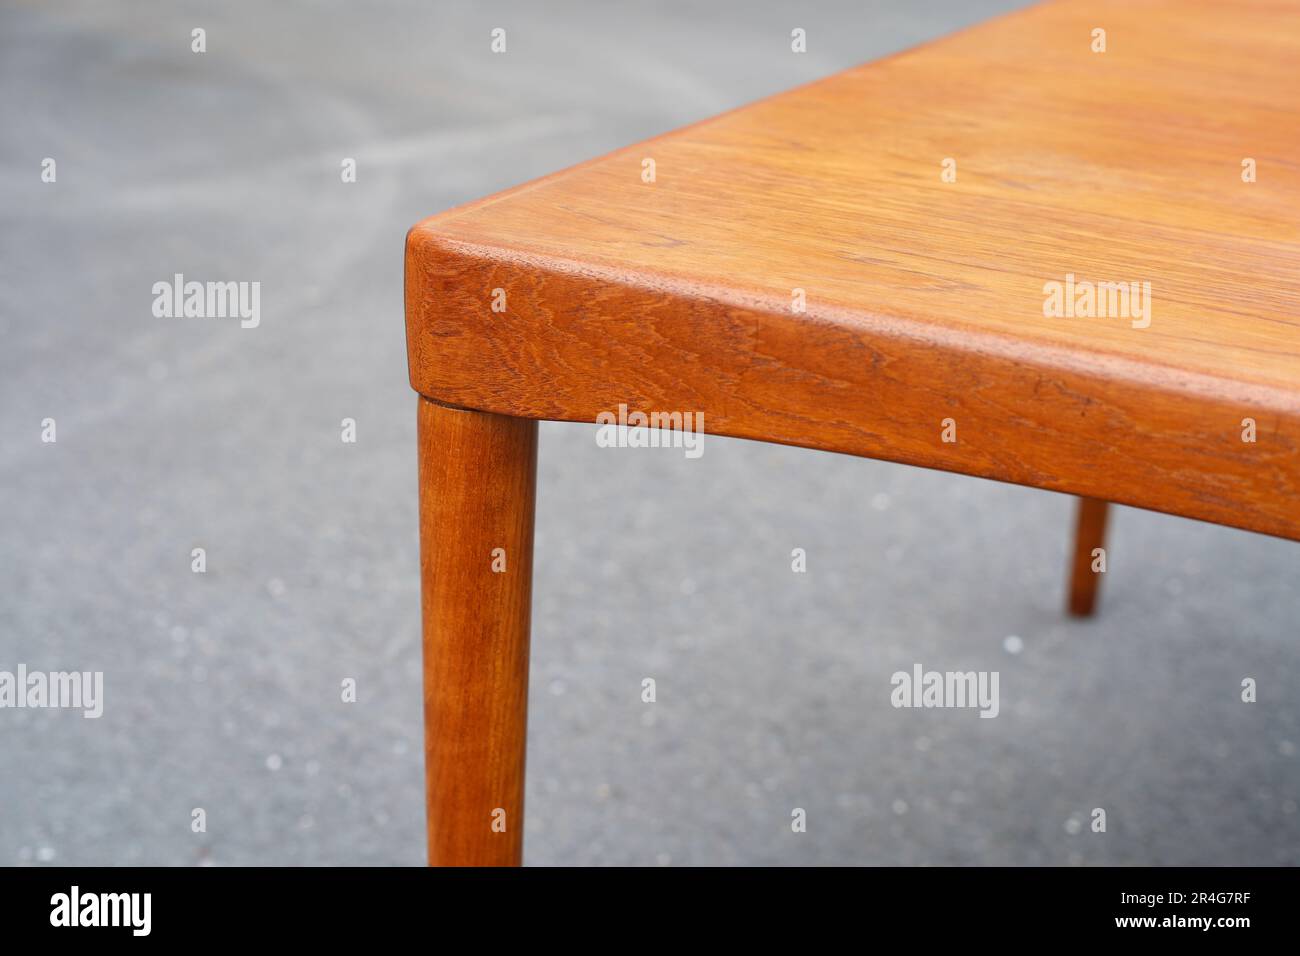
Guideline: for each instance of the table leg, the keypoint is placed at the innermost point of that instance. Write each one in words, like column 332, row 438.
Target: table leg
column 1090, row 533
column 477, row 489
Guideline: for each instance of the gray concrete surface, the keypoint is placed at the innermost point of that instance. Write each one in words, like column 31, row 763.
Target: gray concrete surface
column 222, row 689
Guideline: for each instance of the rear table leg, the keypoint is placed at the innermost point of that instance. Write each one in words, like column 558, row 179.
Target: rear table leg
column 1090, row 533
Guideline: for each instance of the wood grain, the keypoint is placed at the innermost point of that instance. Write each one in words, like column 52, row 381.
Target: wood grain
column 477, row 484
column 1089, row 533
column 925, row 298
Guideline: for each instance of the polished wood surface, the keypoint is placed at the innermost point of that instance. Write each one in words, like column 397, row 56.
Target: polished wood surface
column 477, row 485
column 1089, row 535
column 925, row 297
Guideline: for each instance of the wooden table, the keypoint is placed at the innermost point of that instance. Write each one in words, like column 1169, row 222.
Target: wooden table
column 893, row 262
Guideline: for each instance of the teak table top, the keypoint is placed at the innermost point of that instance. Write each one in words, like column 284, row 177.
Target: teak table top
column 926, row 296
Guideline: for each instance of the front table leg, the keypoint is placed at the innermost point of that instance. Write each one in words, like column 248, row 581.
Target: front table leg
column 478, row 475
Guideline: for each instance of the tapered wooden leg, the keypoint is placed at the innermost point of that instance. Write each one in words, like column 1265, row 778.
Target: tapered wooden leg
column 477, row 487
column 1090, row 533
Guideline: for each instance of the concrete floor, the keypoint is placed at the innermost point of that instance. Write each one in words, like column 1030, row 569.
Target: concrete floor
column 222, row 689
